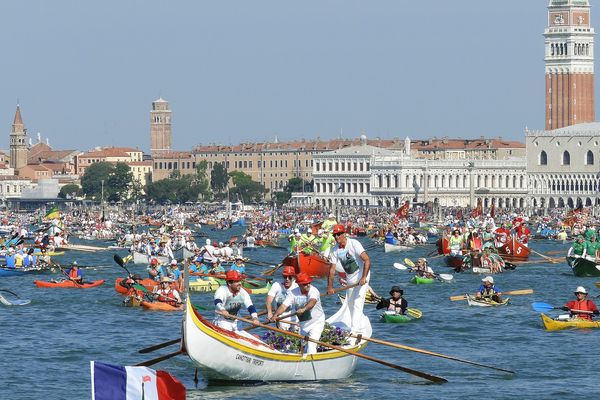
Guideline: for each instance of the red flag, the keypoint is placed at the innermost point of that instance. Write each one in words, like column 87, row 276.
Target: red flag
column 459, row 214
column 477, row 211
column 402, row 212
column 493, row 211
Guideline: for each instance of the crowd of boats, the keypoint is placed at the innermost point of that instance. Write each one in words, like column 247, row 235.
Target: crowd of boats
column 178, row 257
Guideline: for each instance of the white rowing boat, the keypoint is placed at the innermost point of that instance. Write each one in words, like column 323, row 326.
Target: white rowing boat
column 16, row 302
column 224, row 355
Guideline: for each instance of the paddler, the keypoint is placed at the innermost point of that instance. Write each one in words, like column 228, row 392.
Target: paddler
column 228, row 301
column 591, row 246
column 327, row 243
column 350, row 258
column 578, row 247
column 238, row 265
column 489, row 291
column 294, row 240
column 395, row 303
column 155, row 271
column 456, row 243
column 329, row 222
column 166, row 293
column 175, row 274
column 198, row 267
column 422, row 269
column 279, row 291
column 581, row 307
column 74, row 273
column 306, row 302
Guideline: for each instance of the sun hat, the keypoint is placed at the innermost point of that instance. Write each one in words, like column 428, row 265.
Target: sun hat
column 396, row 289
column 289, row 271
column 303, row 278
column 233, row 276
column 581, row 289
column 488, row 279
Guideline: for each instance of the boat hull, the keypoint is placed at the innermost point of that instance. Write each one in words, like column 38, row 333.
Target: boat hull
column 159, row 306
column 312, row 264
column 513, row 250
column 583, row 267
column 68, row 284
column 395, row 318
column 419, row 280
column 388, row 247
column 472, row 301
column 556, row 325
column 225, row 356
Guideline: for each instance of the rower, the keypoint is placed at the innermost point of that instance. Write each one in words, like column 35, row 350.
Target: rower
column 578, row 247
column 155, row 271
column 396, row 303
column 279, row 291
column 198, row 267
column 166, row 294
column 455, row 243
column 581, row 307
column 238, row 265
column 489, row 291
column 422, row 269
column 175, row 274
column 74, row 273
column 228, row 301
column 306, row 301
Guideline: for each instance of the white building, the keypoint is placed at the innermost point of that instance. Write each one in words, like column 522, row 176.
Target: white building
column 563, row 166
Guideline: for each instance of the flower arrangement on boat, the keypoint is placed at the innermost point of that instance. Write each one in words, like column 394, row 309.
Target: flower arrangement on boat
column 287, row 344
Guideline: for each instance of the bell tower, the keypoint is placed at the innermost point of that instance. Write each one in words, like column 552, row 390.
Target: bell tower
column 18, row 142
column 569, row 60
column 160, row 127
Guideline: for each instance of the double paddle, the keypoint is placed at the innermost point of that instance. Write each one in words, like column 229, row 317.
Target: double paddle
column 441, row 277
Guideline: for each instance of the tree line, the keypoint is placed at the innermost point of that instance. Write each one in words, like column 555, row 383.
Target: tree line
column 116, row 183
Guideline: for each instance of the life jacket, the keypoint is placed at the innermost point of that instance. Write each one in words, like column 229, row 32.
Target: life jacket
column 476, row 243
column 74, row 274
column 395, row 305
column 168, row 296
column 487, row 293
column 584, row 305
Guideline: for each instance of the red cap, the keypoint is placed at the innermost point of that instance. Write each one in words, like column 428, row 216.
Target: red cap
column 233, row 276
column 289, row 271
column 338, row 228
column 303, row 278
column 154, row 261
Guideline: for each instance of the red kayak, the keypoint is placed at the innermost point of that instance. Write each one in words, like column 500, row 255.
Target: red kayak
column 160, row 306
column 148, row 283
column 68, row 284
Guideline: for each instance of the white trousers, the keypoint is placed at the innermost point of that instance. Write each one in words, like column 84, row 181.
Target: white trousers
column 356, row 302
column 313, row 331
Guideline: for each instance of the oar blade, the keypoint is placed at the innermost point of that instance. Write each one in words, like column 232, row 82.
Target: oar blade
column 409, row 262
column 118, row 260
column 446, row 277
column 457, row 298
column 415, row 313
column 541, row 306
column 519, row 292
column 401, row 267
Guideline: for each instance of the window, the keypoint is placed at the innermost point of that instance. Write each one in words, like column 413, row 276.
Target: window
column 589, row 159
column 543, row 158
column 566, row 158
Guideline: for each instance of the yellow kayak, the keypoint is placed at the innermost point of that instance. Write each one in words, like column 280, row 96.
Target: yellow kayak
column 574, row 323
column 50, row 253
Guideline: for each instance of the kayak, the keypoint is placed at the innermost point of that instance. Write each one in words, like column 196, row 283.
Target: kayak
column 473, row 301
column 68, row 284
column 369, row 299
column 160, row 306
column 573, row 323
column 148, row 283
column 583, row 267
column 420, row 280
column 412, row 314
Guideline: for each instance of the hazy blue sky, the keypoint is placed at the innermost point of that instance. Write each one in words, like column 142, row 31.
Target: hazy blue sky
column 86, row 72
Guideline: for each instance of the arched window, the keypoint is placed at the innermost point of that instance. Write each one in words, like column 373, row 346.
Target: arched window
column 543, row 158
column 589, row 159
column 566, row 159
column 552, row 49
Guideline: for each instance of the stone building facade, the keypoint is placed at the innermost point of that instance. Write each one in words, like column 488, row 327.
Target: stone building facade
column 161, row 134
column 18, row 142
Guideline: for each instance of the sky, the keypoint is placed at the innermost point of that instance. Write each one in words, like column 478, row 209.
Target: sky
column 85, row 73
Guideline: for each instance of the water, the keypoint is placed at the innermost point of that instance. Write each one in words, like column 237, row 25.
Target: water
column 46, row 346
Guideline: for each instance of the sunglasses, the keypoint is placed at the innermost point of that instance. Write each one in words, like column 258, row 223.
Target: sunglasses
column 338, row 234
column 288, row 278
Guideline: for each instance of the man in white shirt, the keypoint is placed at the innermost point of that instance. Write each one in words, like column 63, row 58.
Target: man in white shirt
column 279, row 292
column 229, row 299
column 306, row 302
column 349, row 258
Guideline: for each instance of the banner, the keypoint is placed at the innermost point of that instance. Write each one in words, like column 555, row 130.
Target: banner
column 53, row 213
column 402, row 212
column 115, row 382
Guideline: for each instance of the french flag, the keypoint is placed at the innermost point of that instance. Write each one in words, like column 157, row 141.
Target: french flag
column 114, row 382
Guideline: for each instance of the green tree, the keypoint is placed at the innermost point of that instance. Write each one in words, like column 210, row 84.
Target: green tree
column 71, row 190
column 201, row 180
column 219, row 178
column 91, row 181
column 245, row 188
column 173, row 190
column 119, row 182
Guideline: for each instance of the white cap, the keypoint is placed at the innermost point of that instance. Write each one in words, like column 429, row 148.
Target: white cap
column 331, row 215
column 174, row 262
column 580, row 289
column 320, row 232
column 220, row 243
column 207, row 241
column 296, row 230
column 488, row 279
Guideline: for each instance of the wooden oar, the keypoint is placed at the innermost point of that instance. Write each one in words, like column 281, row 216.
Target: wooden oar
column 441, row 277
column 159, row 359
column 424, row 375
column 273, row 270
column 159, row 346
column 510, row 293
column 430, row 353
column 545, row 257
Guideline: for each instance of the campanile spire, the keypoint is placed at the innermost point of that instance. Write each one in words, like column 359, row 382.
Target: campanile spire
column 569, row 59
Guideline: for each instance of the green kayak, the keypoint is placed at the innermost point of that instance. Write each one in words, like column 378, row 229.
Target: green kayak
column 412, row 314
column 420, row 280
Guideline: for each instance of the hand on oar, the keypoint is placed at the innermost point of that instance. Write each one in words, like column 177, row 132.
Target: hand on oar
column 511, row 293
column 442, row 277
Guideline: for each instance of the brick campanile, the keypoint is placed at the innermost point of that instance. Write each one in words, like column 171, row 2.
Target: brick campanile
column 569, row 59
column 160, row 127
